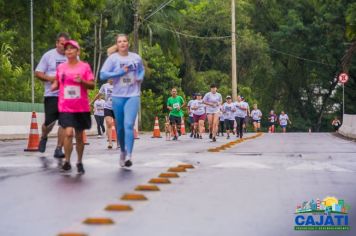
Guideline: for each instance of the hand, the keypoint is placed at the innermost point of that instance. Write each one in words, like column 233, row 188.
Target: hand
column 126, row 69
column 78, row 79
column 50, row 78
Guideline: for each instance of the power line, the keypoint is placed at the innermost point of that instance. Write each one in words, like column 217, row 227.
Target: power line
column 229, row 37
column 158, row 9
column 300, row 58
column 190, row 35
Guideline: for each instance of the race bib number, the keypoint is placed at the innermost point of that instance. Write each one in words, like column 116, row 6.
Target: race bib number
column 71, row 92
column 127, row 80
column 176, row 105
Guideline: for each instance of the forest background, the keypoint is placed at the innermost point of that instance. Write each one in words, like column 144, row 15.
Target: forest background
column 289, row 52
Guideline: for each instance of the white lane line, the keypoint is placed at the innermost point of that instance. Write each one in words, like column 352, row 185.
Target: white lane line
column 317, row 166
column 245, row 165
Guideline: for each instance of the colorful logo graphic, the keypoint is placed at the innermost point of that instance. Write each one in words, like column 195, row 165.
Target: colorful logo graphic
column 328, row 214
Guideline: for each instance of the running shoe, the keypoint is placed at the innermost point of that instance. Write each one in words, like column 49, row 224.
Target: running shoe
column 110, row 146
column 228, row 137
column 128, row 163
column 122, row 159
column 211, row 135
column 191, row 135
column 66, row 167
column 200, row 137
column 214, row 139
column 80, row 168
column 42, row 145
column 58, row 153
column 99, row 136
column 175, row 138
column 179, row 133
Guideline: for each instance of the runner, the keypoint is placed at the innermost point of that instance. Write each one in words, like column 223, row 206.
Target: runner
column 256, row 116
column 228, row 114
column 336, row 123
column 127, row 71
column 46, row 72
column 191, row 119
column 73, row 79
column 283, row 121
column 175, row 104
column 247, row 118
column 213, row 100
column 99, row 114
column 272, row 119
column 221, row 123
column 241, row 113
column 199, row 115
column 106, row 90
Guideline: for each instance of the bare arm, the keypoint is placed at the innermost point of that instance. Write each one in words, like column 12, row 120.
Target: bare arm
column 43, row 77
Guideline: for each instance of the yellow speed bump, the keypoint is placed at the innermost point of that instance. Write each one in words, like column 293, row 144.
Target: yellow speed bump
column 159, row 181
column 176, row 169
column 118, row 207
column 98, row 221
column 169, row 175
column 72, row 234
column 133, row 197
column 147, row 188
column 213, row 150
column 186, row 166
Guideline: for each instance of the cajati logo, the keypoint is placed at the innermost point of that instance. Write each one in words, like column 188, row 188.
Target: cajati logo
column 329, row 214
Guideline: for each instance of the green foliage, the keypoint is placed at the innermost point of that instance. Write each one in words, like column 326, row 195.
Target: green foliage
column 152, row 106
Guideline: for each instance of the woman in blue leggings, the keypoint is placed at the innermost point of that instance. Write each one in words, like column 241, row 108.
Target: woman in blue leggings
column 127, row 71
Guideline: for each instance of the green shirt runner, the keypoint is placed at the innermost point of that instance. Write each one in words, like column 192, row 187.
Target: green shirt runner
column 176, row 102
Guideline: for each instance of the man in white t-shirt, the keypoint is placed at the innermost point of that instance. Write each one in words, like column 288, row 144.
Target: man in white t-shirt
column 46, row 72
column 241, row 113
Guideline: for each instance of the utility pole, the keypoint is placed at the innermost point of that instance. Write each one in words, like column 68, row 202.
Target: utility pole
column 233, row 53
column 32, row 57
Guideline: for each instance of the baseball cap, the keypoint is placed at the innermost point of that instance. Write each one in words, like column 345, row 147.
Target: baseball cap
column 197, row 94
column 228, row 96
column 73, row 43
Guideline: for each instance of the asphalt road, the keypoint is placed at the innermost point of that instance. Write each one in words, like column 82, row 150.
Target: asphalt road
column 250, row 189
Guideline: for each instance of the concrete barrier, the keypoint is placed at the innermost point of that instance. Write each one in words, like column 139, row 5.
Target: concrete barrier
column 348, row 128
column 17, row 124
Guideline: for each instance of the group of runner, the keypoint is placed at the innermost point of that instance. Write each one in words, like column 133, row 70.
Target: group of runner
column 67, row 80
column 220, row 115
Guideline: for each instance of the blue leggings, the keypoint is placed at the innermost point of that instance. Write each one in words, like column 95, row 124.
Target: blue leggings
column 125, row 110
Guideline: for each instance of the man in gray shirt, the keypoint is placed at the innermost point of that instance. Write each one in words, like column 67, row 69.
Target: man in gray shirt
column 46, row 72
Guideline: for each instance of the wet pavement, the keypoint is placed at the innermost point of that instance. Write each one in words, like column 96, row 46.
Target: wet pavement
column 251, row 188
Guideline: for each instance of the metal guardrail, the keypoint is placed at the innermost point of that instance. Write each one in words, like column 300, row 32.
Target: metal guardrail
column 21, row 106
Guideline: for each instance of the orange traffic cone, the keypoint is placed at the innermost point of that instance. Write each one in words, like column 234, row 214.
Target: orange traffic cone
column 113, row 133
column 182, row 127
column 34, row 137
column 156, row 131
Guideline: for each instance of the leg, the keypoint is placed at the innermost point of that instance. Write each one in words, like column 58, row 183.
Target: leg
column 97, row 119
column 109, row 123
column 130, row 111
column 215, row 121
column 101, row 123
column 118, row 107
column 79, row 144
column 68, row 142
column 210, row 122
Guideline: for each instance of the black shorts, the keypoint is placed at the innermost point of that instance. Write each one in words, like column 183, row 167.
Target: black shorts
column 256, row 121
column 175, row 120
column 108, row 112
column 51, row 110
column 78, row 120
column 229, row 124
column 271, row 123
